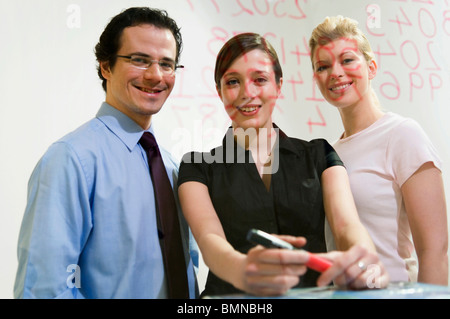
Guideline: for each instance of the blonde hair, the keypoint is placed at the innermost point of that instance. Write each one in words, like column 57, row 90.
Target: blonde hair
column 334, row 28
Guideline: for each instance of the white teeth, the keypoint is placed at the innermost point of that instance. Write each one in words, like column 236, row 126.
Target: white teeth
column 243, row 107
column 340, row 87
column 247, row 109
column 148, row 90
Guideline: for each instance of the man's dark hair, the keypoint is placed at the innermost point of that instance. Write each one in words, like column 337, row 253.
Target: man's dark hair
column 108, row 45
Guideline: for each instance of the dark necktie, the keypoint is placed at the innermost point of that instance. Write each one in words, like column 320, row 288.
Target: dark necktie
column 172, row 248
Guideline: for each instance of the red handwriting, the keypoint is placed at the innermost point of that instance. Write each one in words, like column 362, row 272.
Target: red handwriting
column 208, row 83
column 405, row 21
column 445, row 24
column 432, row 59
column 419, row 59
column 378, row 53
column 280, row 9
column 214, row 3
column 425, row 15
column 219, row 36
column 424, row 1
column 321, row 123
column 425, row 21
column 405, row 33
column 180, row 84
column 393, row 85
column 420, row 1
column 294, row 82
column 411, row 48
column 288, row 9
column 299, row 54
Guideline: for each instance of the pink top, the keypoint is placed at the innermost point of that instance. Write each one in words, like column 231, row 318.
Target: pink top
column 379, row 160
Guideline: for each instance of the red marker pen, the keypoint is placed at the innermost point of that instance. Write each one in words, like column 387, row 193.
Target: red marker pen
column 262, row 238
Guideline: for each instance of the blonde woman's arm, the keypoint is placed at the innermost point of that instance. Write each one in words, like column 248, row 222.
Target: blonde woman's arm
column 341, row 211
column 424, row 198
column 356, row 265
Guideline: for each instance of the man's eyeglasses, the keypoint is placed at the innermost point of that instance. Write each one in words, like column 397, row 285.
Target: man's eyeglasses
column 167, row 67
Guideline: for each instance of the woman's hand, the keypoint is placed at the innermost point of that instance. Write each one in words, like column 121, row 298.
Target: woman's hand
column 356, row 268
column 270, row 272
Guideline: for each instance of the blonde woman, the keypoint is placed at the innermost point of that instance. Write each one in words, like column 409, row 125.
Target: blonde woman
column 394, row 170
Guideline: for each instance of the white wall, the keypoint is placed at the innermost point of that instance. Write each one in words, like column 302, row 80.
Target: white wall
column 49, row 84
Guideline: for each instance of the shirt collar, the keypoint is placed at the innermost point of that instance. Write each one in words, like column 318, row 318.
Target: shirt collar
column 127, row 130
column 283, row 140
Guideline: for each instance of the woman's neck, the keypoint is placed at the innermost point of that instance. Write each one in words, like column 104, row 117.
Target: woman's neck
column 359, row 117
column 259, row 141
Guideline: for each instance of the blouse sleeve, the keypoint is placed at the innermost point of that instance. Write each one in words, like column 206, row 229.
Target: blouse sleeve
column 192, row 169
column 331, row 157
column 409, row 148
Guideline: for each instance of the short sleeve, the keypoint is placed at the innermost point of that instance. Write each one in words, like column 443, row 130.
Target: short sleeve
column 192, row 169
column 408, row 149
column 331, row 157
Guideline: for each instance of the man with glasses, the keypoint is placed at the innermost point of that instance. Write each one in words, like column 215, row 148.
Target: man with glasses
column 92, row 227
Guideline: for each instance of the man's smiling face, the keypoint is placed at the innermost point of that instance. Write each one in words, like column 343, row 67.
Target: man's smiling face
column 135, row 92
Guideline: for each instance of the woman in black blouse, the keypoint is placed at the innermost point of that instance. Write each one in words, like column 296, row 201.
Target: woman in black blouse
column 261, row 178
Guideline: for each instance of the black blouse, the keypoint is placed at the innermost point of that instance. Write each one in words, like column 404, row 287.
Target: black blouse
column 292, row 206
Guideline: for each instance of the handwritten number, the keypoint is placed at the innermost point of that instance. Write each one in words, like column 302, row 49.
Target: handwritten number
column 243, row 9
column 321, row 123
column 400, row 23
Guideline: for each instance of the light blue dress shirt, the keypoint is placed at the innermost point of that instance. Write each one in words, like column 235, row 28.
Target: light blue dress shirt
column 89, row 228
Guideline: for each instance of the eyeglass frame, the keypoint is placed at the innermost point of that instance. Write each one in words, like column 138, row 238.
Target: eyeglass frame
column 176, row 66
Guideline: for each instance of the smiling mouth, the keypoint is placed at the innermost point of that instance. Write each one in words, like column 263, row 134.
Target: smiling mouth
column 341, row 87
column 146, row 90
column 248, row 108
